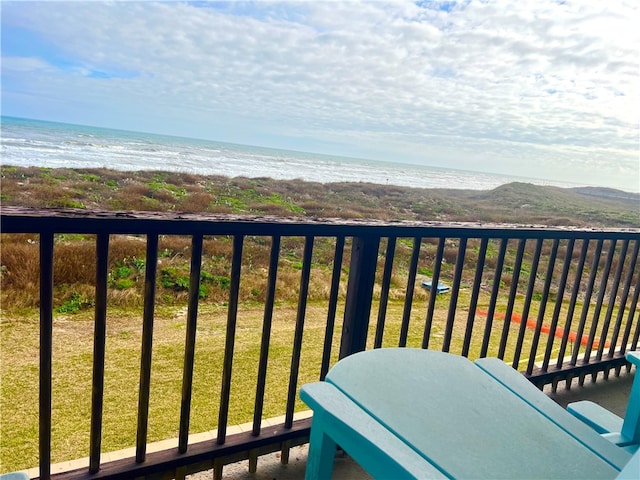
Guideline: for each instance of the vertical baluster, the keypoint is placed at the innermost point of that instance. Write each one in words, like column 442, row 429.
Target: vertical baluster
column 232, row 317
column 266, row 334
column 624, row 298
column 333, row 304
column 46, row 352
column 558, row 305
column 601, row 292
column 543, row 308
column 572, row 303
column 455, row 289
column 630, row 317
column 408, row 299
column 147, row 344
column 636, row 336
column 433, row 294
column 297, row 340
column 384, row 293
column 190, row 341
column 587, row 301
column 527, row 303
column 513, row 291
column 477, row 281
column 99, row 339
column 495, row 289
column 612, row 298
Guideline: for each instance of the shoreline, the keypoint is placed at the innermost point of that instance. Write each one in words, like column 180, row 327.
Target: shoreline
column 60, row 145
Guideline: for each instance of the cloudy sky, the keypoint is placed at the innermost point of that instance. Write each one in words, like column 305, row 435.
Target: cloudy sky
column 545, row 89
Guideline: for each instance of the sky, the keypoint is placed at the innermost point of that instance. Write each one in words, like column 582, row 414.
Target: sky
column 534, row 88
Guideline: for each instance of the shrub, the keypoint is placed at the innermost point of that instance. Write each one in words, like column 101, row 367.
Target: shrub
column 174, row 278
column 90, row 177
column 123, row 283
column 206, row 277
column 425, row 271
column 122, row 272
column 74, row 304
column 223, row 282
column 196, row 202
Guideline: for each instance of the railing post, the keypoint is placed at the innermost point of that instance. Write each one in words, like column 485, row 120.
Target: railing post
column 362, row 271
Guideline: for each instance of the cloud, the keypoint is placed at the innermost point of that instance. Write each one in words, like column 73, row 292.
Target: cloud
column 516, row 87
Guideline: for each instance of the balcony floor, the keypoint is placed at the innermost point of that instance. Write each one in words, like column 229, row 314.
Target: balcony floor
column 612, row 393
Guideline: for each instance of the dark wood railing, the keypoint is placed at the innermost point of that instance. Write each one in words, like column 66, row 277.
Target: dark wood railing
column 579, row 286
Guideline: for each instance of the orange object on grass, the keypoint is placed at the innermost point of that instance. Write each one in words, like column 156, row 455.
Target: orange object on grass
column 546, row 328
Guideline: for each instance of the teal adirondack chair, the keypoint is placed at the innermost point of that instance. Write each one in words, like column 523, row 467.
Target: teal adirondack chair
column 412, row 413
column 623, row 432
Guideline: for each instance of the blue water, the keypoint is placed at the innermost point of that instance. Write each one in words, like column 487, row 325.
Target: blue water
column 28, row 142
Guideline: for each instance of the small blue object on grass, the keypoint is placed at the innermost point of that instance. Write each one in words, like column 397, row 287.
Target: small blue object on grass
column 441, row 288
column 623, row 432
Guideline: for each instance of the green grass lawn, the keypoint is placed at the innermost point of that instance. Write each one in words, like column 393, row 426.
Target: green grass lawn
column 72, row 367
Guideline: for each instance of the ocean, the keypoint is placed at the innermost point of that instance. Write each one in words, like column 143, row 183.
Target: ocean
column 26, row 142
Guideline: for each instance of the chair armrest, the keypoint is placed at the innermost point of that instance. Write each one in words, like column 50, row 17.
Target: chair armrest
column 623, row 432
column 596, row 416
column 634, row 357
column 368, row 442
column 523, row 388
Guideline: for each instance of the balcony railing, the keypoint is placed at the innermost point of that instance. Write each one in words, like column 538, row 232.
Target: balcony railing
column 555, row 303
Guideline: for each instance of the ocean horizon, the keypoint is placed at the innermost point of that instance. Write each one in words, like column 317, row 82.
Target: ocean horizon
column 39, row 143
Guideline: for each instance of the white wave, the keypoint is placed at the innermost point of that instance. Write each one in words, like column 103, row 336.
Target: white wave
column 57, row 145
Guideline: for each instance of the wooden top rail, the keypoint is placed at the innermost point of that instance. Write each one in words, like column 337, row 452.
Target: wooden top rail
column 31, row 220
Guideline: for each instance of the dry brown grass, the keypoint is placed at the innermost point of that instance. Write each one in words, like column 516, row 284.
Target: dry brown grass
column 74, row 268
